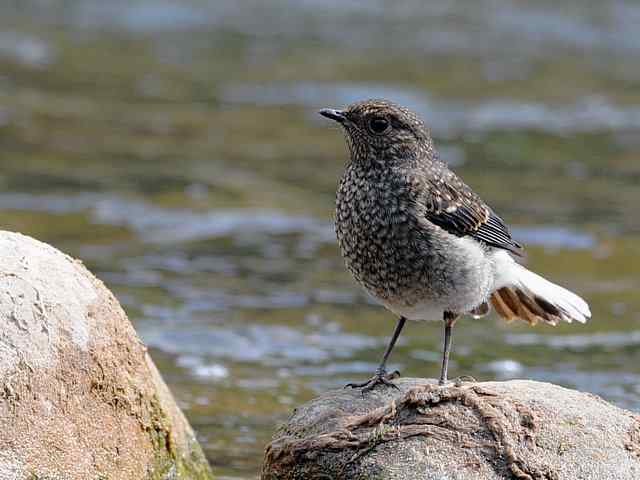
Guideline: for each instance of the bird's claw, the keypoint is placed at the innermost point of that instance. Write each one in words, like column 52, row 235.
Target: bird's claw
column 458, row 381
column 380, row 378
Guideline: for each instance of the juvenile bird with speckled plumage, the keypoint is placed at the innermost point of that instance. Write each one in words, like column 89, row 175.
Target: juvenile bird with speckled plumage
column 421, row 242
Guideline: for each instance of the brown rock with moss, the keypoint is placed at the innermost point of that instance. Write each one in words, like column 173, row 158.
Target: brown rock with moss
column 472, row 431
column 80, row 397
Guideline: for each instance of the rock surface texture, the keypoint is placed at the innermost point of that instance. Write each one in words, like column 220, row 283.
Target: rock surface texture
column 490, row 430
column 79, row 396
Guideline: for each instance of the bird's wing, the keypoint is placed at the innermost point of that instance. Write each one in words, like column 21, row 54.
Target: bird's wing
column 453, row 206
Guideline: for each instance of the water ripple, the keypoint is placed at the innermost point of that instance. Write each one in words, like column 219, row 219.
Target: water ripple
column 439, row 27
column 170, row 225
column 578, row 341
column 267, row 344
column 449, row 118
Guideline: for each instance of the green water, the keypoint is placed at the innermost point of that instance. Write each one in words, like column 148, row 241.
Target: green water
column 175, row 148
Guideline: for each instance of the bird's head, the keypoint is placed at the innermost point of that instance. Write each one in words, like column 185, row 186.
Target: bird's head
column 382, row 130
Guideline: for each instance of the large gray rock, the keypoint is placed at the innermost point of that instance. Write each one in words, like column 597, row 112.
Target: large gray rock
column 491, row 430
column 79, row 396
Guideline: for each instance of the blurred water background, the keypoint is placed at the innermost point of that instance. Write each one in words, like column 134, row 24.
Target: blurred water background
column 175, row 148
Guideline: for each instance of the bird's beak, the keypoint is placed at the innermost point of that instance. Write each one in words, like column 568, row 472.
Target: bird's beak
column 332, row 114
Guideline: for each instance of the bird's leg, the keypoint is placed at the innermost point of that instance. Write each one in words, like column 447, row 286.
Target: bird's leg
column 381, row 376
column 449, row 321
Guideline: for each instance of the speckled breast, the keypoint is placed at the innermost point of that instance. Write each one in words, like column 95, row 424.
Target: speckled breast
column 378, row 235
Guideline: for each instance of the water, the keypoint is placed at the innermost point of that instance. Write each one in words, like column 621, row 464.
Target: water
column 175, row 148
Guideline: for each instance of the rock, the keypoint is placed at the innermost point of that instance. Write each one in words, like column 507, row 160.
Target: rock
column 490, row 430
column 79, row 396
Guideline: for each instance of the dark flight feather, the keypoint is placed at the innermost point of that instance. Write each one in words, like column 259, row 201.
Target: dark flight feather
column 453, row 206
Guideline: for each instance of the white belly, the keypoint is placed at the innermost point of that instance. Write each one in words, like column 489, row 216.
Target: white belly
column 469, row 282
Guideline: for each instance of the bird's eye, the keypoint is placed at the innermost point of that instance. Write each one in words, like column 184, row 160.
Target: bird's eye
column 378, row 125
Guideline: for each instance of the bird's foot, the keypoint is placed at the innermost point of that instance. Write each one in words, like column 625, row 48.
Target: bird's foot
column 380, row 378
column 457, row 381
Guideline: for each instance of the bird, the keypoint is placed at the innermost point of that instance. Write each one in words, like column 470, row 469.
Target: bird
column 421, row 242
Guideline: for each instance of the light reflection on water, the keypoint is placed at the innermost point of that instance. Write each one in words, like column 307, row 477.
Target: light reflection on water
column 185, row 164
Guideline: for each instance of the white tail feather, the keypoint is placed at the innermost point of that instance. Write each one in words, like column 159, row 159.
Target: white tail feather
column 570, row 305
column 537, row 292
